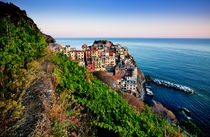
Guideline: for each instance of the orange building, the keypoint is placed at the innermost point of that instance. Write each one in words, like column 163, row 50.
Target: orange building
column 108, row 43
column 120, row 71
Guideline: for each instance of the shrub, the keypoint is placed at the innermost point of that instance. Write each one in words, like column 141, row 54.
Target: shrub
column 69, row 117
column 192, row 128
column 19, row 45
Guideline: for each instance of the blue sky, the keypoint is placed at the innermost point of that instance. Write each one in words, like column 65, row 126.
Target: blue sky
column 120, row 18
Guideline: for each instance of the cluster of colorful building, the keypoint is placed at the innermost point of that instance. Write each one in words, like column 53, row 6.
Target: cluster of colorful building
column 105, row 56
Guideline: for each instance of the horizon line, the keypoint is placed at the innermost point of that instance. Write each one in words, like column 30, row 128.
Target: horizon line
column 144, row 37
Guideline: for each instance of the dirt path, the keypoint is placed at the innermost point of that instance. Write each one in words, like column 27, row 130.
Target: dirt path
column 37, row 102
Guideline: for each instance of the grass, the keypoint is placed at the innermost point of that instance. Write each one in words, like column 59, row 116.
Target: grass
column 11, row 106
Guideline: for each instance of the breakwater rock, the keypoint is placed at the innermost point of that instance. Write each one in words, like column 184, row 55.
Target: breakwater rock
column 174, row 86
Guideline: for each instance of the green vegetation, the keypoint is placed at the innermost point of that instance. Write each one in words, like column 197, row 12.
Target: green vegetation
column 112, row 111
column 20, row 46
column 83, row 104
column 69, row 118
column 100, row 42
column 192, row 128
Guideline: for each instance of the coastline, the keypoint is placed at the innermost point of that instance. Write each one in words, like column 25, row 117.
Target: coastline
column 143, row 95
column 59, row 94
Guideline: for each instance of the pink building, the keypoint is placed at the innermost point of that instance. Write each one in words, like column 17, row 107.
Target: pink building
column 131, row 84
column 120, row 71
column 91, row 64
column 129, row 66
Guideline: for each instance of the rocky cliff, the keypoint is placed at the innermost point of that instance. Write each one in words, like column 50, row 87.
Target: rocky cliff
column 106, row 78
column 133, row 101
column 164, row 112
column 140, row 78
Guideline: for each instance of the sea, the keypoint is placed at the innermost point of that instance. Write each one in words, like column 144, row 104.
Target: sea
column 180, row 61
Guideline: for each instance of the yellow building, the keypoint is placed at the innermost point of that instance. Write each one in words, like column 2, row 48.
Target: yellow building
column 94, row 53
column 110, row 61
column 73, row 55
column 106, row 61
column 100, row 64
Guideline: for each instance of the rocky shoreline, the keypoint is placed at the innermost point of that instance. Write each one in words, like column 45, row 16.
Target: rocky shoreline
column 157, row 108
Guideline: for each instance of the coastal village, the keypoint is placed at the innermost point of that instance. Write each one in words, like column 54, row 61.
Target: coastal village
column 54, row 96
column 105, row 56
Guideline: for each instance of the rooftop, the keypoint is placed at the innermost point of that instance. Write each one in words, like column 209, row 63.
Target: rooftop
column 130, row 83
column 131, row 78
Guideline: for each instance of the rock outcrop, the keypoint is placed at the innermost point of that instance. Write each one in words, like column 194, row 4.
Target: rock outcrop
column 164, row 112
column 133, row 101
column 140, row 80
column 106, row 78
column 49, row 38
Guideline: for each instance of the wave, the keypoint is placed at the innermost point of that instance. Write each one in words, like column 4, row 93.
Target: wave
column 173, row 85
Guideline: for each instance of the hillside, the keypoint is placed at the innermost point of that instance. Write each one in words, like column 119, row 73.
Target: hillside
column 46, row 94
column 16, row 14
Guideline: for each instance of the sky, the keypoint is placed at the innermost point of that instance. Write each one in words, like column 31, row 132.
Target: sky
column 120, row 18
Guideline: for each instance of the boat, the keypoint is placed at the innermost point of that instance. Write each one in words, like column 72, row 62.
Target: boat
column 149, row 92
column 185, row 110
column 148, row 86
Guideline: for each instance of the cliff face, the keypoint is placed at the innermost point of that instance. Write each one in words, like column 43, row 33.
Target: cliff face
column 140, row 78
column 16, row 14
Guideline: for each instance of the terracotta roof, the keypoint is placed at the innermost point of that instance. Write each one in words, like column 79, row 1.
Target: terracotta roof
column 84, row 46
column 79, row 51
